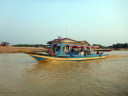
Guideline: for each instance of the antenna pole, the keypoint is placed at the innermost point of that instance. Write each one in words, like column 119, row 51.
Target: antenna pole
column 66, row 29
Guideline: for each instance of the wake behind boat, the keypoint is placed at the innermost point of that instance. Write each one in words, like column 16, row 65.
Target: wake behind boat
column 68, row 50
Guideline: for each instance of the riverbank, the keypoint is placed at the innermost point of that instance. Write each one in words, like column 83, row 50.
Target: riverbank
column 112, row 49
column 120, row 49
column 20, row 49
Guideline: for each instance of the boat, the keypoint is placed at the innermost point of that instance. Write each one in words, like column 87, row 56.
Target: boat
column 105, row 50
column 68, row 52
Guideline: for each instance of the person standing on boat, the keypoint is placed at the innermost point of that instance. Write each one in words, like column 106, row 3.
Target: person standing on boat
column 65, row 51
column 51, row 52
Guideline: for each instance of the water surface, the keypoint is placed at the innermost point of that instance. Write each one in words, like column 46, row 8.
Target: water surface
column 21, row 75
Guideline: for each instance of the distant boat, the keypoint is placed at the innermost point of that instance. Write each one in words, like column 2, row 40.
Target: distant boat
column 107, row 50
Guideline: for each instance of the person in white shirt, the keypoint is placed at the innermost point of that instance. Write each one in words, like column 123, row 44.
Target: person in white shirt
column 81, row 53
column 65, row 51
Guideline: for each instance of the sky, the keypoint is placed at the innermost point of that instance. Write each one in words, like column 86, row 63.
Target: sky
column 102, row 22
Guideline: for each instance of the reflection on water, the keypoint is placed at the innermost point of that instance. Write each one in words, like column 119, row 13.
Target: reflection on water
column 21, row 75
column 55, row 70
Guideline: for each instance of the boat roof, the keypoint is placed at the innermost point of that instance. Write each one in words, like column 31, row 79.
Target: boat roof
column 76, row 46
column 68, row 41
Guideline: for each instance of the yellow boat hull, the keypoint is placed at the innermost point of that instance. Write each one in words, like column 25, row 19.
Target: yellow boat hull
column 47, row 58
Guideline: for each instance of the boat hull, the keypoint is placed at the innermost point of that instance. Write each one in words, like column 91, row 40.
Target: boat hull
column 65, row 58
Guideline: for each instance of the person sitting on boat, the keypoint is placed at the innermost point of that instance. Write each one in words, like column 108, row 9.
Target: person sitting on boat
column 86, row 53
column 97, row 52
column 72, row 50
column 81, row 53
column 51, row 52
column 101, row 53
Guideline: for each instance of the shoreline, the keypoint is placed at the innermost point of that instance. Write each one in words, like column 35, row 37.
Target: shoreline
column 20, row 49
column 119, row 49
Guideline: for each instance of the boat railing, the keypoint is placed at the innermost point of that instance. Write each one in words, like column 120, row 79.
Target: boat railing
column 72, row 53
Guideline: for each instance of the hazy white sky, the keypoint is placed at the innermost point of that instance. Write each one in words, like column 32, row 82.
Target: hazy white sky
column 38, row 21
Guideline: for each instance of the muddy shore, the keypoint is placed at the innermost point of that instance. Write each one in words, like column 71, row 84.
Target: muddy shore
column 20, row 49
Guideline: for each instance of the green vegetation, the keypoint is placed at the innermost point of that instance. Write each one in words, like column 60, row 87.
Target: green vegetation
column 115, row 46
column 119, row 45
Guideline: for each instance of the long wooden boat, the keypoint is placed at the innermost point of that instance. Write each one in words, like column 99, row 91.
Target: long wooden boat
column 71, row 55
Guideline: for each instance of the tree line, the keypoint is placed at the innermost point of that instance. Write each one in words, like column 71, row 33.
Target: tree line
column 119, row 45
column 30, row 45
column 115, row 46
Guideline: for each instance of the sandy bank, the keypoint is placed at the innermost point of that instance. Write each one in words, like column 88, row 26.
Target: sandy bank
column 20, row 49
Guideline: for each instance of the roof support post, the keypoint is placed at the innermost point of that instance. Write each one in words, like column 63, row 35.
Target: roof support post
column 94, row 51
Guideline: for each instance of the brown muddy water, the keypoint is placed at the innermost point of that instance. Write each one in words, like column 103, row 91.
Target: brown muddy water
column 21, row 75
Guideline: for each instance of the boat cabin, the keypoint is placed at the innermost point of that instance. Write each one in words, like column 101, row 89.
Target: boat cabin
column 68, row 46
column 68, row 49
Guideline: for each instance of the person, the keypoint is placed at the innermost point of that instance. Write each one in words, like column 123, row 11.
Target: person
column 86, row 53
column 65, row 51
column 101, row 53
column 97, row 52
column 51, row 52
column 72, row 50
column 81, row 53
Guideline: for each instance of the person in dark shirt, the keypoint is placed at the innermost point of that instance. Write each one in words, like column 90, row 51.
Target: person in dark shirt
column 97, row 52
